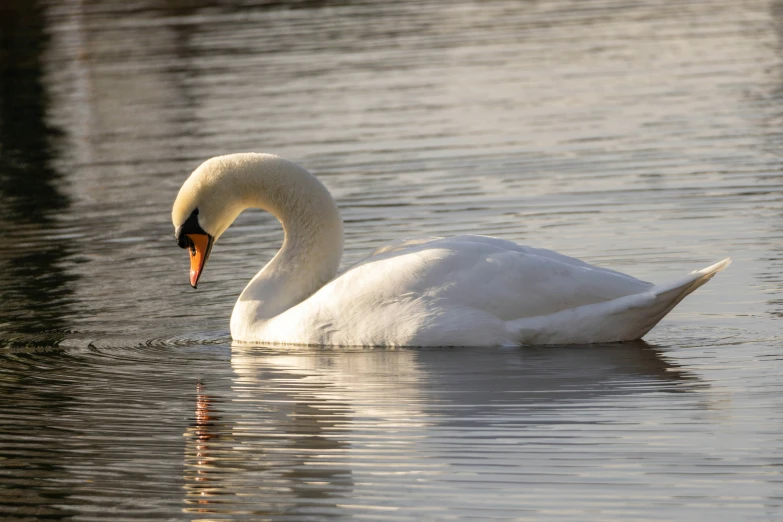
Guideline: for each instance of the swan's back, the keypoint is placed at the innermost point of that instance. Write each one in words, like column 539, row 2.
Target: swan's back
column 495, row 275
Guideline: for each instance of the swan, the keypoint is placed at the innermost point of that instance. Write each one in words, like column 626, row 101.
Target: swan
column 454, row 291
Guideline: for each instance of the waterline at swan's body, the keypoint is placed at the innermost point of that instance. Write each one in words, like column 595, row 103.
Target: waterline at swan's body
column 458, row 291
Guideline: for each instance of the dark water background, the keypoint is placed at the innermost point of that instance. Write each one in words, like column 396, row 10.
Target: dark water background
column 642, row 136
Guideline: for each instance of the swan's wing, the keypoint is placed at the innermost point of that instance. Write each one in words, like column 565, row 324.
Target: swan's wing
column 482, row 273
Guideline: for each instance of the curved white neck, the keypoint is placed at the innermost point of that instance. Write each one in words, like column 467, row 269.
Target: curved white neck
column 311, row 251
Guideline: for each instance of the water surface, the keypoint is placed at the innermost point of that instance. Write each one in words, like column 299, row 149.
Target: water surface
column 641, row 136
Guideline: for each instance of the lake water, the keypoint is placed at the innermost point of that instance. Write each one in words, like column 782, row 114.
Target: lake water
column 641, row 136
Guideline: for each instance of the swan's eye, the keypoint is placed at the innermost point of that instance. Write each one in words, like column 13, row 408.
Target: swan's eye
column 190, row 226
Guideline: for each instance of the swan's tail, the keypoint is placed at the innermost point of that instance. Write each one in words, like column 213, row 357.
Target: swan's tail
column 669, row 295
column 622, row 319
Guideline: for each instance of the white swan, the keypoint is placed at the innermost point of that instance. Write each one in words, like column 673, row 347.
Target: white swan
column 457, row 291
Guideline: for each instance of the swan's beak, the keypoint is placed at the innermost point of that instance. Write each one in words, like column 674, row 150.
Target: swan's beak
column 200, row 247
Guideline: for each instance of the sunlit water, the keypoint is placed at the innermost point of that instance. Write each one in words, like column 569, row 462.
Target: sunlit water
column 641, row 136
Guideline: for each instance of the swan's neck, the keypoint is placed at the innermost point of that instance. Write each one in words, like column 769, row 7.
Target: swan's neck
column 311, row 250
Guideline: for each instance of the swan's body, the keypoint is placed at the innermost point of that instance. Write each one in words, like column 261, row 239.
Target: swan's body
column 458, row 291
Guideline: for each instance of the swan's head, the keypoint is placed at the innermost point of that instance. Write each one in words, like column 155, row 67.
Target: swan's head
column 208, row 202
column 222, row 187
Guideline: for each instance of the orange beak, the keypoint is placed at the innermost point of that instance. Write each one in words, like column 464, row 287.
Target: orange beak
column 200, row 247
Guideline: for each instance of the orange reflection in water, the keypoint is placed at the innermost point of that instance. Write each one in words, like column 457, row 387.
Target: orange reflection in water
column 198, row 462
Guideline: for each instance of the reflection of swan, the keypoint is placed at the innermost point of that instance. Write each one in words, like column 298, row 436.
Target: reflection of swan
column 395, row 410
column 312, row 433
column 412, row 388
column 466, row 290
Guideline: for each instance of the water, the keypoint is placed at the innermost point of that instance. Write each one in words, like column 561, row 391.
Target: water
column 641, row 136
